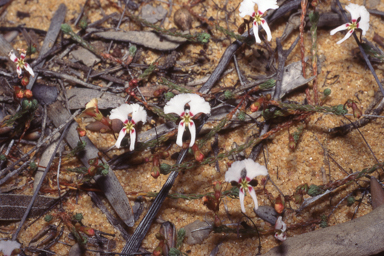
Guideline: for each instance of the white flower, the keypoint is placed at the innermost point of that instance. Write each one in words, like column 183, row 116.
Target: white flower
column 20, row 63
column 129, row 114
column 247, row 8
column 357, row 11
column 7, row 246
column 187, row 105
column 280, row 226
column 243, row 172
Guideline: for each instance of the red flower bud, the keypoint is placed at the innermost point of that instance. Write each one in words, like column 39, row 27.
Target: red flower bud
column 19, row 93
column 25, row 81
column 81, row 132
column 279, row 204
column 255, row 106
column 199, row 156
column 88, row 231
column 155, row 172
column 28, row 94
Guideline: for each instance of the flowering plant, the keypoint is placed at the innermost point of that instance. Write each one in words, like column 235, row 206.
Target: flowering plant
column 360, row 19
column 187, row 105
column 129, row 114
column 20, row 63
column 241, row 173
column 247, row 8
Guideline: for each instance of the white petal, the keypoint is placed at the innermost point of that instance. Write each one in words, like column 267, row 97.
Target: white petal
column 12, row 56
column 121, row 137
column 7, row 246
column 121, row 112
column 180, row 132
column 339, row 28
column 354, row 10
column 234, row 172
column 176, row 104
column 198, row 105
column 132, row 136
column 280, row 225
column 256, row 33
column 265, row 26
column 253, row 195
column 281, row 236
column 246, row 8
column 22, row 55
column 348, row 35
column 364, row 21
column 19, row 71
column 192, row 130
column 254, row 169
column 138, row 113
column 29, row 69
column 241, row 196
column 264, row 5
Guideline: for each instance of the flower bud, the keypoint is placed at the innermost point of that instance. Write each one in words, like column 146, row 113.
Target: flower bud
column 255, row 106
column 28, row 94
column 279, row 204
column 217, row 221
column 199, row 156
column 92, row 171
column 155, row 172
column 292, row 145
column 18, row 92
column 25, row 81
column 81, row 132
column 165, row 168
column 88, row 231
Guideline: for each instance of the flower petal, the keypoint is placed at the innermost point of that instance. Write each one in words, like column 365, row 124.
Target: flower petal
column 192, row 130
column 354, row 10
column 198, row 105
column 29, row 69
column 340, row 28
column 121, row 112
column 281, row 236
column 264, row 5
column 265, row 26
column 132, row 136
column 177, row 103
column 254, row 169
column 280, row 225
column 246, row 8
column 241, row 197
column 253, row 195
column 348, row 35
column 121, row 137
column 19, row 71
column 180, row 132
column 138, row 113
column 22, row 54
column 13, row 57
column 364, row 21
column 256, row 32
column 234, row 172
